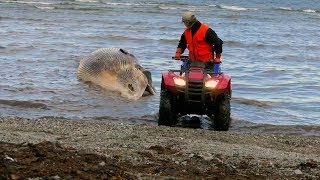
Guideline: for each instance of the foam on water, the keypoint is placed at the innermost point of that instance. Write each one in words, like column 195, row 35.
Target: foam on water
column 237, row 8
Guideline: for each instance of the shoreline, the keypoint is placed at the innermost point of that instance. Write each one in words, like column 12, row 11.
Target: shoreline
column 248, row 153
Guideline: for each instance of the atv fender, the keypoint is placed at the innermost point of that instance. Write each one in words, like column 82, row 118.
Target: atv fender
column 224, row 86
column 224, row 82
column 167, row 82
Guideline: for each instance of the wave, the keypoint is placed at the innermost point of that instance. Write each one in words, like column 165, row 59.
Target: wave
column 234, row 43
column 237, row 8
column 251, row 102
column 90, row 1
column 240, row 44
column 157, row 6
column 29, row 2
column 309, row 11
column 172, row 40
column 35, row 4
column 23, row 104
column 122, row 3
column 32, row 2
column 296, row 10
column 244, row 44
column 45, row 7
column 168, row 7
column 285, row 8
column 100, row 5
column 127, row 38
column 77, row 8
column 36, row 19
column 95, row 5
column 75, row 5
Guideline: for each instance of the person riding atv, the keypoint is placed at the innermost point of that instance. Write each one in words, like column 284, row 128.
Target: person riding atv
column 199, row 87
column 202, row 42
column 195, row 90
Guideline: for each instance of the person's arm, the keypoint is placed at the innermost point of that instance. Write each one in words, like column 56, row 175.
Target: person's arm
column 181, row 47
column 182, row 43
column 213, row 39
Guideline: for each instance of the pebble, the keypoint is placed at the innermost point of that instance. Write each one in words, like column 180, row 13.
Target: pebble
column 298, row 172
column 102, row 163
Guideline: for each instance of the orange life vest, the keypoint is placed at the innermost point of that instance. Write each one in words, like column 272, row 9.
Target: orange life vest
column 199, row 49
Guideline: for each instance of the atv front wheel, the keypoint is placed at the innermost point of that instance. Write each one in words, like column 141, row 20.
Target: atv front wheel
column 222, row 118
column 166, row 115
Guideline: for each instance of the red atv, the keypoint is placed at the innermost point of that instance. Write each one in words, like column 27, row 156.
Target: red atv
column 195, row 90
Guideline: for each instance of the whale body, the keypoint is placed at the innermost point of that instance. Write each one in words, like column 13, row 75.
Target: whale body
column 116, row 69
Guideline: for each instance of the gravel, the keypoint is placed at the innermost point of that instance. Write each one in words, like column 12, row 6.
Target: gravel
column 280, row 155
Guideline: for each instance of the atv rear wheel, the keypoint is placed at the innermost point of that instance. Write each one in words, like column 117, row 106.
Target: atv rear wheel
column 166, row 115
column 222, row 118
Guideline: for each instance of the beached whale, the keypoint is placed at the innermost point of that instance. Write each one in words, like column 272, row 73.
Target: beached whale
column 116, row 69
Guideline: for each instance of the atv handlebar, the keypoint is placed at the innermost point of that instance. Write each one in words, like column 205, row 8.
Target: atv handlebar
column 182, row 58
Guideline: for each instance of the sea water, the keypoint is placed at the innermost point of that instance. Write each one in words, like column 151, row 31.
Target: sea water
column 271, row 50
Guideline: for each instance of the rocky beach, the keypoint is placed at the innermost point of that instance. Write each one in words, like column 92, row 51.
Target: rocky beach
column 53, row 148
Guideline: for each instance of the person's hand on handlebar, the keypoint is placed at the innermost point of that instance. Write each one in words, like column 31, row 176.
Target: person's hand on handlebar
column 178, row 54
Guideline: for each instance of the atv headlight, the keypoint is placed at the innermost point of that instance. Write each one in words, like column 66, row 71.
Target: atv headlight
column 211, row 84
column 179, row 81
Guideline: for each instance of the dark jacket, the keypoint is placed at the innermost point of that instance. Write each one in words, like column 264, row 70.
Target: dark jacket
column 211, row 37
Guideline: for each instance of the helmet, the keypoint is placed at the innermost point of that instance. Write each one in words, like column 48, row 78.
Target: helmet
column 189, row 17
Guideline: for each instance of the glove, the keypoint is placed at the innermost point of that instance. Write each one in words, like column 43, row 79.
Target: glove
column 178, row 53
column 217, row 59
column 216, row 69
